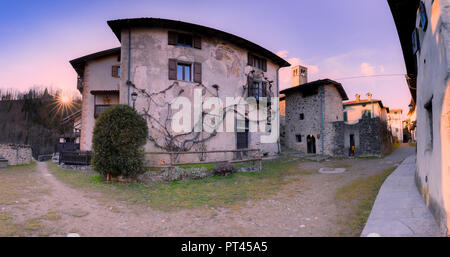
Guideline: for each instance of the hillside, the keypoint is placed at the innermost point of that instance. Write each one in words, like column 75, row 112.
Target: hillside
column 34, row 121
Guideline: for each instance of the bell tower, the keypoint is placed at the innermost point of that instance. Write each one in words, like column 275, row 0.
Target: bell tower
column 299, row 75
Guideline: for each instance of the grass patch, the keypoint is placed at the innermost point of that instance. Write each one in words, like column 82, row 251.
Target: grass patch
column 359, row 197
column 212, row 191
column 412, row 144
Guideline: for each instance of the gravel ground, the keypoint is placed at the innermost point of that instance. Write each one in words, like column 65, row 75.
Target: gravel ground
column 306, row 206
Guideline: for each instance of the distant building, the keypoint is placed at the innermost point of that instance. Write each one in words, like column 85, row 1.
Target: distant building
column 315, row 120
column 410, row 123
column 358, row 108
column 424, row 31
column 311, row 109
column 395, row 124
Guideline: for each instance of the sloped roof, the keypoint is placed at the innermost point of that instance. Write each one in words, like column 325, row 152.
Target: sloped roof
column 404, row 13
column 316, row 84
column 79, row 63
column 118, row 25
column 364, row 101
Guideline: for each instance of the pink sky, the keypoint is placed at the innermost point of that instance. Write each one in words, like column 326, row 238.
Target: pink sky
column 330, row 37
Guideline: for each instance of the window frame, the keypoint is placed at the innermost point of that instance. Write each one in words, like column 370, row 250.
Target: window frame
column 184, row 65
column 115, row 71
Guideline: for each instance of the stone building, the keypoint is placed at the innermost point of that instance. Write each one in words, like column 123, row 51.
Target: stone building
column 317, row 121
column 365, row 128
column 424, row 32
column 395, row 124
column 160, row 60
column 356, row 109
column 311, row 110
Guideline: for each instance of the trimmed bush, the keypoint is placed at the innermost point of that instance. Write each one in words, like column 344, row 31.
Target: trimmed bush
column 120, row 134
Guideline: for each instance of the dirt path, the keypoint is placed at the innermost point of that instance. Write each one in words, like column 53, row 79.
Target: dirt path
column 304, row 207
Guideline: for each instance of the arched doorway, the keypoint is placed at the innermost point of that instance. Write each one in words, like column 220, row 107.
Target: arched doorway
column 311, row 144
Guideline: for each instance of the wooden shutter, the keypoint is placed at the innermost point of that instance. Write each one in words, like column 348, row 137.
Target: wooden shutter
column 250, row 59
column 197, row 72
column 249, row 86
column 172, row 38
column 172, row 69
column 264, row 64
column 114, row 71
column 197, row 42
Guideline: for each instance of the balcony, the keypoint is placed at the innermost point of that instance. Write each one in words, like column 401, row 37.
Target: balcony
column 99, row 108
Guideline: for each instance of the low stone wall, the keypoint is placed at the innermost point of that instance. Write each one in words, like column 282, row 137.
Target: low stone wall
column 16, row 154
column 371, row 136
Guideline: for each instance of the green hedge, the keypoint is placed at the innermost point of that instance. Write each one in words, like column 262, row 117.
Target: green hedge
column 120, row 134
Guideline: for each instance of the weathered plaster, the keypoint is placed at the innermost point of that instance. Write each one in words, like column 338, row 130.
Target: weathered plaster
column 223, row 64
column 433, row 61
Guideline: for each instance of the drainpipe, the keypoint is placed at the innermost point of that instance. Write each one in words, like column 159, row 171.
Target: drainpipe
column 278, row 113
column 321, row 119
column 129, row 65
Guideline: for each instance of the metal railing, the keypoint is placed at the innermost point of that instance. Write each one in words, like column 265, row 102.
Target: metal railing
column 75, row 158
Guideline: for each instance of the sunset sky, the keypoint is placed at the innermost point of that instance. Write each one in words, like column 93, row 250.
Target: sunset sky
column 335, row 39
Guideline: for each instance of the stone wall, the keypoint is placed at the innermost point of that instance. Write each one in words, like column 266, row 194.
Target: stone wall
column 16, row 154
column 372, row 137
column 310, row 107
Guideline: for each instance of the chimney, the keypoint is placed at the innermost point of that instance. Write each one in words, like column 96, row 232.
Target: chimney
column 369, row 96
column 357, row 97
column 299, row 75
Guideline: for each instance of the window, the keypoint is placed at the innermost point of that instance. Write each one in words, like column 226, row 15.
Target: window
column 302, row 116
column 345, row 116
column 429, row 108
column 116, row 71
column 184, row 39
column 257, row 62
column 257, row 90
column 184, row 71
column 423, row 16
column 299, row 138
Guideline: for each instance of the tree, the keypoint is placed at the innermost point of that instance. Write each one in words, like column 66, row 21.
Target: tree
column 120, row 134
